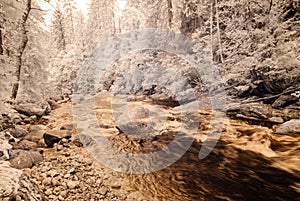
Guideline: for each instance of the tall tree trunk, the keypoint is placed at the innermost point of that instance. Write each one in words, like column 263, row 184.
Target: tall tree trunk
column 21, row 48
column 170, row 12
column 219, row 34
column 1, row 45
column 61, row 30
column 211, row 32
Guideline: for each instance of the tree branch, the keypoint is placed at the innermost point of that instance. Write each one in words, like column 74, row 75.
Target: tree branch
column 40, row 9
column 270, row 97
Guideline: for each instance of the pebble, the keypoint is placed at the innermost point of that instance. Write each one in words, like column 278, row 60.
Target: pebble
column 53, row 173
column 48, row 192
column 99, row 181
column 67, row 154
column 72, row 184
column 67, row 176
column 59, row 147
column 55, row 182
column 72, row 171
column 64, row 184
column 103, row 190
column 89, row 161
column 47, row 181
column 57, row 189
column 76, row 178
column 116, row 185
column 53, row 158
column 45, row 169
column 64, row 140
column 63, row 194
column 43, row 175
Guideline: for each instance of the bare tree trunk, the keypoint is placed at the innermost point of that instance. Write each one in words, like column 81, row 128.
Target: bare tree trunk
column 1, row 45
column 211, row 32
column 21, row 48
column 170, row 13
column 219, row 34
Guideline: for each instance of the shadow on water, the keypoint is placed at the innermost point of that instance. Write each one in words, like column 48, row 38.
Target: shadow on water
column 227, row 173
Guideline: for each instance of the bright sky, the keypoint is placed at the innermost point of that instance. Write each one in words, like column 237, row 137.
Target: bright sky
column 119, row 7
column 82, row 5
column 121, row 4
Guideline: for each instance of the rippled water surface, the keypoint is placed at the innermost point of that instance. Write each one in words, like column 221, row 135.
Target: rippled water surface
column 249, row 162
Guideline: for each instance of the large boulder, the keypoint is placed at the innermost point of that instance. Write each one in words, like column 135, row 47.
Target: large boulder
column 25, row 145
column 14, row 185
column 253, row 110
column 54, row 136
column 285, row 100
column 31, row 109
column 18, row 132
column 25, row 159
column 9, row 180
column 35, row 136
column 292, row 126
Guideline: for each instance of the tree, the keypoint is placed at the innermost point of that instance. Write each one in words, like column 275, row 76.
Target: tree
column 68, row 18
column 21, row 48
column 219, row 34
column 58, row 29
column 101, row 22
column 79, row 28
column 170, row 13
column 211, row 32
column 1, row 43
column 1, row 48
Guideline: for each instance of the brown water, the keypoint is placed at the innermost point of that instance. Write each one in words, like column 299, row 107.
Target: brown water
column 249, row 162
column 227, row 173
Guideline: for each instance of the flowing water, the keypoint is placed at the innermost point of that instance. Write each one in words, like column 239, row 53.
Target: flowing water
column 249, row 162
